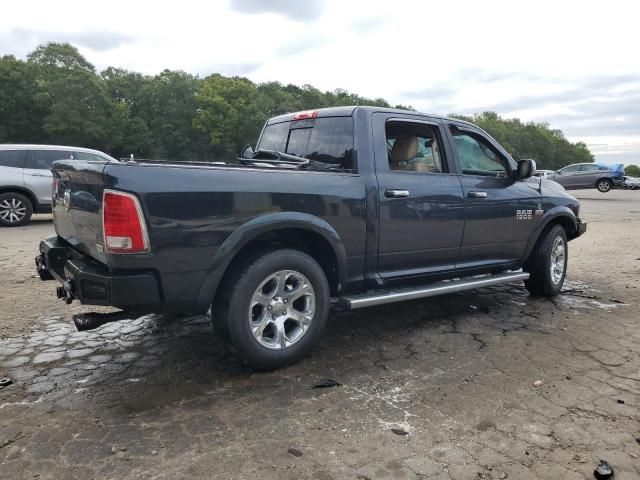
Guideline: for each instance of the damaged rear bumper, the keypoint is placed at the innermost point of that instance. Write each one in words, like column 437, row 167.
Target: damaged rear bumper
column 92, row 283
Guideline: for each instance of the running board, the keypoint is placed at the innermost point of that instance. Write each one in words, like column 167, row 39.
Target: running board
column 439, row 288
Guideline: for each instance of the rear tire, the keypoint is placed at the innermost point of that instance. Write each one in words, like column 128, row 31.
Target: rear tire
column 15, row 209
column 273, row 309
column 547, row 265
column 604, row 185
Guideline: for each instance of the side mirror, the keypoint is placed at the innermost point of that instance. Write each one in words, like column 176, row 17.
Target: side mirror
column 526, row 169
column 246, row 152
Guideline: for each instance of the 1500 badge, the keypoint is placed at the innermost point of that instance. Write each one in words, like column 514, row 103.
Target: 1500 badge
column 527, row 214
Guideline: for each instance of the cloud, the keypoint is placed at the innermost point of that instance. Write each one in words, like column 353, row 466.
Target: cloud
column 589, row 90
column 299, row 10
column 96, row 40
column 362, row 25
column 302, row 44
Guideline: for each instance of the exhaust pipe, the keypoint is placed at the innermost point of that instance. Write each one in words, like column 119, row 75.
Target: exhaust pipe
column 91, row 320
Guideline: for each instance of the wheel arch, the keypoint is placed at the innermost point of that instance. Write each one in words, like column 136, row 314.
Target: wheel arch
column 556, row 216
column 23, row 191
column 301, row 231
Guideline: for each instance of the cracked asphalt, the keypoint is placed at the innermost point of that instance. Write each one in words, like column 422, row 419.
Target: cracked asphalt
column 488, row 384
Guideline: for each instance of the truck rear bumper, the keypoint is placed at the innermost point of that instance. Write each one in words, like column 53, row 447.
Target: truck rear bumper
column 91, row 283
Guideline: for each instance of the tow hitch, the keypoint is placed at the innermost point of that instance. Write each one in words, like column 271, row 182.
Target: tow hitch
column 91, row 320
column 66, row 292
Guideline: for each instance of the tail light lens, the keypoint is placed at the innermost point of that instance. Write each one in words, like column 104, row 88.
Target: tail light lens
column 123, row 224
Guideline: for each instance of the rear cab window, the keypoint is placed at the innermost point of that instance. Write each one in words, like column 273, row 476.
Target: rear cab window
column 326, row 141
column 12, row 158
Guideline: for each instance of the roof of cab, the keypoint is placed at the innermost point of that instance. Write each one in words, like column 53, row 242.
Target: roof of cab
column 350, row 110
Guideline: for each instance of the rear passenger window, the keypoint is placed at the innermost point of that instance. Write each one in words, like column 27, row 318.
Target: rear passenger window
column 477, row 156
column 42, row 159
column 327, row 142
column 12, row 158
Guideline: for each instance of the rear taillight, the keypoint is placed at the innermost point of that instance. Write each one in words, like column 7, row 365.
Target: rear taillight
column 123, row 224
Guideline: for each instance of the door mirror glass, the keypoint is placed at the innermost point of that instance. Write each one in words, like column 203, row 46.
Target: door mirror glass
column 526, row 168
column 246, row 152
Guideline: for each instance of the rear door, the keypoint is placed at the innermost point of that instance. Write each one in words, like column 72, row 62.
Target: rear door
column 37, row 173
column 501, row 212
column 421, row 207
column 589, row 175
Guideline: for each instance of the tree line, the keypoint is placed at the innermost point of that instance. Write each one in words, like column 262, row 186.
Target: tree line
column 57, row 96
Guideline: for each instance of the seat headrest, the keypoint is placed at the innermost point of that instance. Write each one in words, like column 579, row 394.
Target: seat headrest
column 404, row 149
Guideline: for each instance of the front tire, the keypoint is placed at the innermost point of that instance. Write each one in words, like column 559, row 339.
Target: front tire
column 604, row 185
column 15, row 209
column 547, row 265
column 276, row 305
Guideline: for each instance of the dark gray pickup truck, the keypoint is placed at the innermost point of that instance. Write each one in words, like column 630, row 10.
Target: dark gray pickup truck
column 346, row 207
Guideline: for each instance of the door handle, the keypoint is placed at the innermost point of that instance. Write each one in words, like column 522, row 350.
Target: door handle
column 396, row 193
column 477, row 194
column 39, row 175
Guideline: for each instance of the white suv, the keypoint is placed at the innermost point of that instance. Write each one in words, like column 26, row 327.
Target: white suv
column 25, row 178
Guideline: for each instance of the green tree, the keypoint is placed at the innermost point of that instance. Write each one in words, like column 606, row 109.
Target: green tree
column 632, row 170
column 22, row 110
column 228, row 112
column 167, row 106
column 60, row 55
column 80, row 111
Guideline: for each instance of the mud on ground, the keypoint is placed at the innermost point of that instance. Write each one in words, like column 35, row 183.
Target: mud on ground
column 441, row 388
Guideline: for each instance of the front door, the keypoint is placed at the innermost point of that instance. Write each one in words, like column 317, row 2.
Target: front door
column 421, row 213
column 501, row 212
column 569, row 177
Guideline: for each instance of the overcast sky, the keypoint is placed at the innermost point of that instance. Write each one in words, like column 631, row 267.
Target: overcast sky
column 574, row 65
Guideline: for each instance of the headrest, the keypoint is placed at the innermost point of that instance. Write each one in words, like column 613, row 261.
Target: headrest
column 404, row 149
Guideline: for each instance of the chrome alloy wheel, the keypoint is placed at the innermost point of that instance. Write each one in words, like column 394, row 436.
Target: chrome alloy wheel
column 12, row 210
column 557, row 260
column 604, row 186
column 282, row 309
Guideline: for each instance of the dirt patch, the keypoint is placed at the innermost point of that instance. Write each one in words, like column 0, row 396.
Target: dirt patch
column 487, row 384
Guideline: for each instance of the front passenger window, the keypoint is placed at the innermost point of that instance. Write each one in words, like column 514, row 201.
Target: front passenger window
column 477, row 156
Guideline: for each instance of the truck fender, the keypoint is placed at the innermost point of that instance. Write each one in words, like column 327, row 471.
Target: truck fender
column 549, row 216
column 258, row 226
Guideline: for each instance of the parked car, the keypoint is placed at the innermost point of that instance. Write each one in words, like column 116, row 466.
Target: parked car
column 631, row 183
column 350, row 206
column 25, row 178
column 589, row 175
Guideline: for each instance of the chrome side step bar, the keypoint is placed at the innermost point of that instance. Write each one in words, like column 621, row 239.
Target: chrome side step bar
column 440, row 288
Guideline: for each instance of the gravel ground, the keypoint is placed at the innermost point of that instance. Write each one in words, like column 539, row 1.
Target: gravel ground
column 487, row 384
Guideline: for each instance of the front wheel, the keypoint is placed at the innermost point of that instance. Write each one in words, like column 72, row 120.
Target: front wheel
column 604, row 185
column 276, row 306
column 547, row 265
